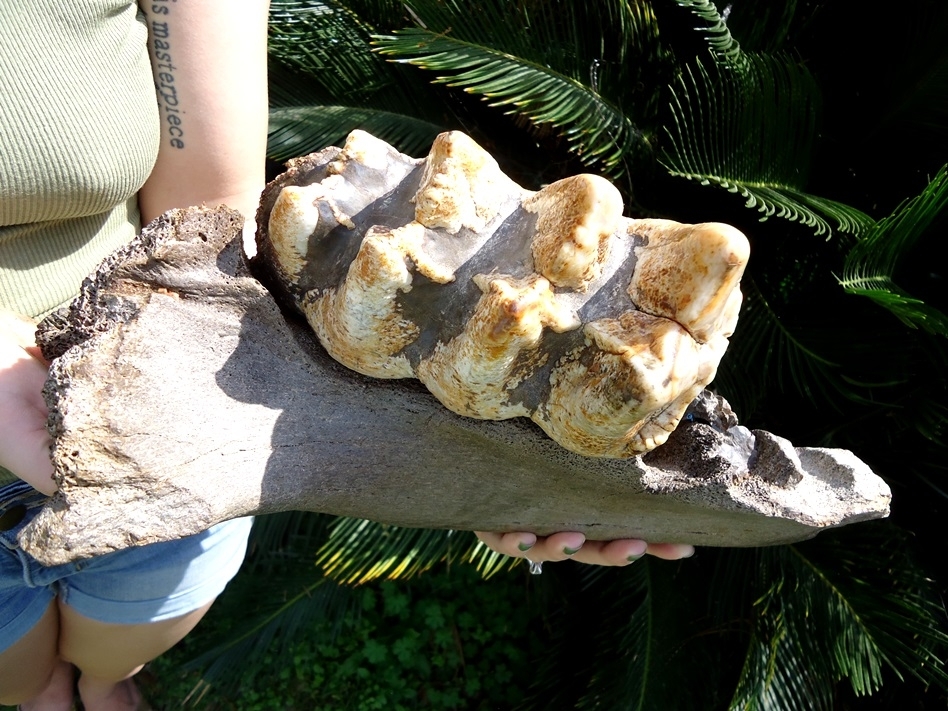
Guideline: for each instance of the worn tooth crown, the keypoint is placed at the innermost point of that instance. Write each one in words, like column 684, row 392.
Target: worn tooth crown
column 575, row 218
column 462, row 186
column 502, row 301
column 472, row 374
column 690, row 274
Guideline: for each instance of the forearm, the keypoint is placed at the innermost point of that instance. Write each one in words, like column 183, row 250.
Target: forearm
column 209, row 60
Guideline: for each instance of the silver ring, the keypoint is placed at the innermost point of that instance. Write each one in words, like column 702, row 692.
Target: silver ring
column 535, row 567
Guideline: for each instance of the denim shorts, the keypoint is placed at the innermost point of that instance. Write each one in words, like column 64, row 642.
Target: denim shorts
column 133, row 586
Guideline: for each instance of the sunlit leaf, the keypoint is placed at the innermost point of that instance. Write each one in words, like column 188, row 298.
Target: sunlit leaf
column 358, row 551
column 871, row 263
column 599, row 132
column 751, row 133
column 724, row 47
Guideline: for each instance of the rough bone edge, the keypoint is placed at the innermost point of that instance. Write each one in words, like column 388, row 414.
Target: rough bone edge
column 181, row 396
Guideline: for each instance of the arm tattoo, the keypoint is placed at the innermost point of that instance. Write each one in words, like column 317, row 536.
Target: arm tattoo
column 161, row 49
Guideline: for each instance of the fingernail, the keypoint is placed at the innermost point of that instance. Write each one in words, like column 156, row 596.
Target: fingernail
column 571, row 551
column 633, row 558
column 524, row 547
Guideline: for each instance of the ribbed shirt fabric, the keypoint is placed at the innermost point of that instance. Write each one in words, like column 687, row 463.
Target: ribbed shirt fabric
column 78, row 137
column 79, row 132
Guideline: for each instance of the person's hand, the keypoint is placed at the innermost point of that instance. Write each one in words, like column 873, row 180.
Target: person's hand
column 574, row 546
column 24, row 441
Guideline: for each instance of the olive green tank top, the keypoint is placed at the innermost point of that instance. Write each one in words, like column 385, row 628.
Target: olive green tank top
column 79, row 132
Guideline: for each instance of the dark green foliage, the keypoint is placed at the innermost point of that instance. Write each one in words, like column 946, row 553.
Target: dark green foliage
column 750, row 131
column 544, row 96
column 446, row 640
column 307, row 41
column 871, row 263
column 839, row 611
column 826, row 123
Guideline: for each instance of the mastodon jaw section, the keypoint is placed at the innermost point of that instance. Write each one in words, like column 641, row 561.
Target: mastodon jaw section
column 506, row 302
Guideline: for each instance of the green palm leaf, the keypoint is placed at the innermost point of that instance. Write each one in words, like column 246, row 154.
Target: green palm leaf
column 329, row 43
column 872, row 262
column 776, row 675
column 762, row 25
column 844, row 607
column 724, row 47
column 625, row 674
column 620, row 678
column 752, row 133
column 325, row 81
column 641, row 634
column 298, row 130
column 358, row 551
column 768, row 350
column 598, row 131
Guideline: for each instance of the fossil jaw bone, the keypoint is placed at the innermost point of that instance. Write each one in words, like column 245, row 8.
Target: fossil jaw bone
column 502, row 301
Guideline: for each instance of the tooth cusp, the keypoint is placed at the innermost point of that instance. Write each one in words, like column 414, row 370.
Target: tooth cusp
column 575, row 217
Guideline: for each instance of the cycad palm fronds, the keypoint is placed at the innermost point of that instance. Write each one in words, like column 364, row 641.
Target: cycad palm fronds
column 871, row 263
column 845, row 607
column 762, row 25
column 329, row 42
column 634, row 639
column 725, row 49
column 599, row 132
column 640, row 644
column 621, row 673
column 768, row 351
column 298, row 130
column 752, row 132
column 359, row 551
column 327, row 81
column 619, row 637
column 777, row 675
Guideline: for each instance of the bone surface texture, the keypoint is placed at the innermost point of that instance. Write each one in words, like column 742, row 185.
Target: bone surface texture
column 181, row 394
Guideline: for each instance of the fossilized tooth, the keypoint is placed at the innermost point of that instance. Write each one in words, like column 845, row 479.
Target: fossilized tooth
column 625, row 390
column 461, row 187
column 504, row 302
column 690, row 274
column 472, row 374
column 575, row 218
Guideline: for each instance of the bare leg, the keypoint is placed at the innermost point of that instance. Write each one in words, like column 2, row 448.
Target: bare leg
column 31, row 672
column 107, row 654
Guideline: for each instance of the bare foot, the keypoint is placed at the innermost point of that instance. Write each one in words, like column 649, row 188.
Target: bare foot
column 58, row 694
